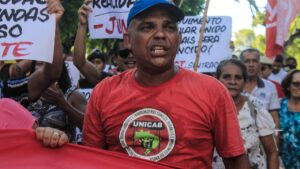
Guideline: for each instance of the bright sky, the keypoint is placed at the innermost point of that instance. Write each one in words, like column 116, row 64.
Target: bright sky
column 239, row 11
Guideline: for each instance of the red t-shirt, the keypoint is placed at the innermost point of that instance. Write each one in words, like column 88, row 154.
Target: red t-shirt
column 178, row 122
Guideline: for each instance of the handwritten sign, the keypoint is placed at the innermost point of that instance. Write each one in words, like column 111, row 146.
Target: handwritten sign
column 87, row 93
column 215, row 46
column 109, row 18
column 26, row 30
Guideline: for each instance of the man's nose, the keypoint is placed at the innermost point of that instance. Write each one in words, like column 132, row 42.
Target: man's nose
column 160, row 33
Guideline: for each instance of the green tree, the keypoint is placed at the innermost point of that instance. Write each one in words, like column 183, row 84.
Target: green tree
column 191, row 7
column 244, row 39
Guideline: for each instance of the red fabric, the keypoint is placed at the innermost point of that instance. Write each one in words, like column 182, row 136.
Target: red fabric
column 197, row 107
column 278, row 89
column 14, row 116
column 280, row 14
column 19, row 149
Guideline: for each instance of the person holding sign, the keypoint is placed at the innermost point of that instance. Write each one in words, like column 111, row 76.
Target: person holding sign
column 159, row 111
column 86, row 67
column 31, row 87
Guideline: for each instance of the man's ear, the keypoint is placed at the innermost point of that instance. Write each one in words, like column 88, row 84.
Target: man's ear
column 126, row 40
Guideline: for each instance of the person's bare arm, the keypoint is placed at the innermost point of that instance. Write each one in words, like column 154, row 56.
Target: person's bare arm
column 74, row 106
column 275, row 116
column 271, row 151
column 87, row 68
column 238, row 162
column 42, row 78
column 20, row 68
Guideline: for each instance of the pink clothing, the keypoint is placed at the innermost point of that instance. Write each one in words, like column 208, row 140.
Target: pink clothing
column 14, row 116
column 178, row 122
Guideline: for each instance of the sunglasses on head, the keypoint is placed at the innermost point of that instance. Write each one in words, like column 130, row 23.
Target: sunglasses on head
column 124, row 53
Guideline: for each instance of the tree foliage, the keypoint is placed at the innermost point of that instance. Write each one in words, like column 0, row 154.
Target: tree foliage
column 191, row 7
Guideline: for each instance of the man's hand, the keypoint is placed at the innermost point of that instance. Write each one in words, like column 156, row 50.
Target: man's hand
column 83, row 12
column 55, row 7
column 51, row 137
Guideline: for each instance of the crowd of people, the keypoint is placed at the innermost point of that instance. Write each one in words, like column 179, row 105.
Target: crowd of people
column 246, row 116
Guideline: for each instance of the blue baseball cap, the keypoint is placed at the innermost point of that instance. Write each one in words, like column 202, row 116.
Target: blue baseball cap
column 142, row 5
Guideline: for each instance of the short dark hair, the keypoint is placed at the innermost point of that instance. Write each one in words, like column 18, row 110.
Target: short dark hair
column 279, row 59
column 249, row 50
column 235, row 62
column 291, row 58
column 96, row 54
column 286, row 82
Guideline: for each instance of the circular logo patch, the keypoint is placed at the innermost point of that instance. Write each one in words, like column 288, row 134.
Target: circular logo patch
column 148, row 134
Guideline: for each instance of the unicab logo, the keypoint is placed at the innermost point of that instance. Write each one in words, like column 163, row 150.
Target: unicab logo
column 148, row 134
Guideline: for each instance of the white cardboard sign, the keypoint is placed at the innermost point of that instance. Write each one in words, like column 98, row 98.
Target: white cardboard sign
column 215, row 46
column 27, row 31
column 108, row 19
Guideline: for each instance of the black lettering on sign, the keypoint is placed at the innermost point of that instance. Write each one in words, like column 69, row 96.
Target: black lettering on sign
column 31, row 14
column 215, row 29
column 23, row 2
column 190, row 21
column 14, row 31
column 213, row 20
column 192, row 29
column 188, row 40
column 112, row 3
column 211, row 39
column 187, row 50
column 204, row 65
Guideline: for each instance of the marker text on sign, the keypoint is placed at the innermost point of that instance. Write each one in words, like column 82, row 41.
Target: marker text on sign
column 26, row 30
column 14, row 49
column 112, row 3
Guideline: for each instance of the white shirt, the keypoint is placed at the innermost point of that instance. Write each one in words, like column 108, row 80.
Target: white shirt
column 266, row 93
column 279, row 76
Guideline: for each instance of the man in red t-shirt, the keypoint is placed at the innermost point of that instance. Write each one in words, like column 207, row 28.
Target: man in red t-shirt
column 159, row 111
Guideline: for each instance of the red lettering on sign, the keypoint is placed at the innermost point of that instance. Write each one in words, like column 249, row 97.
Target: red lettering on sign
column 16, row 48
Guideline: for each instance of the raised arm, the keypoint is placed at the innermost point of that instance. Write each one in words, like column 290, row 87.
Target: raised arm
column 42, row 78
column 87, row 68
column 20, row 68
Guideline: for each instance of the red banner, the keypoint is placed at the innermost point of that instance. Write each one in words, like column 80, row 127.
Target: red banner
column 19, row 149
column 280, row 14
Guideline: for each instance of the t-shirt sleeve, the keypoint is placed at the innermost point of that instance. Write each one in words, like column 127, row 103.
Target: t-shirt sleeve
column 227, row 134
column 264, row 120
column 274, row 102
column 92, row 134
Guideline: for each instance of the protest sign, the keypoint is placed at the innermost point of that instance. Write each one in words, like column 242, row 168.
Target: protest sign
column 216, row 42
column 26, row 30
column 108, row 18
column 87, row 92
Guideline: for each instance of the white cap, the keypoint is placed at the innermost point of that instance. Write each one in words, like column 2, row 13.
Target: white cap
column 266, row 60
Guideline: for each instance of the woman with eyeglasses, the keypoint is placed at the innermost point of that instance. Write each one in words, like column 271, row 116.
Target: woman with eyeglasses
column 290, row 121
column 256, row 123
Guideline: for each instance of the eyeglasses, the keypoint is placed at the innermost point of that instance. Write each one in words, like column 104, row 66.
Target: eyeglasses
column 295, row 84
column 124, row 53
